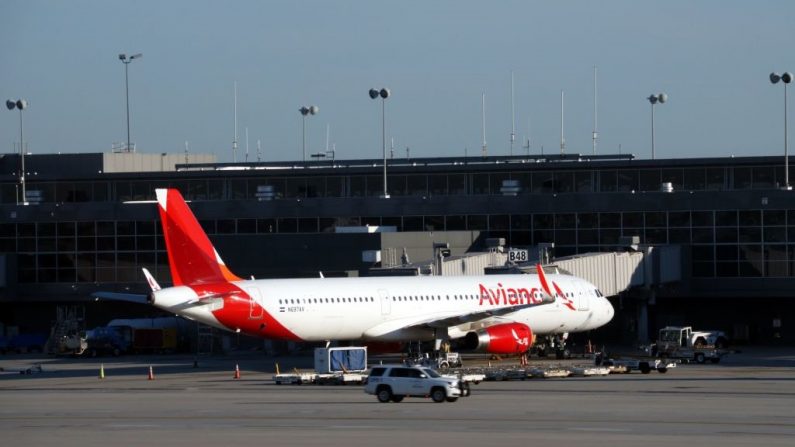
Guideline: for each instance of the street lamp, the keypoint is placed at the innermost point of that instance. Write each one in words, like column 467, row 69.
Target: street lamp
column 20, row 104
column 654, row 99
column 311, row 110
column 126, row 61
column 786, row 78
column 384, row 94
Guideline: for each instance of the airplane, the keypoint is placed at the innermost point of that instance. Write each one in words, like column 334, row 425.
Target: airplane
column 498, row 314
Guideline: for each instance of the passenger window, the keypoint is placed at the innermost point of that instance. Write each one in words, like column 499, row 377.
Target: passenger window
column 414, row 374
column 398, row 372
column 377, row 372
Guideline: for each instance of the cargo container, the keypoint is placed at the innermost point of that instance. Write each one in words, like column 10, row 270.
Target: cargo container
column 342, row 359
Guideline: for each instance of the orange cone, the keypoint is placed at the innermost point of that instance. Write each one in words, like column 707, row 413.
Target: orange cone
column 151, row 373
column 237, row 372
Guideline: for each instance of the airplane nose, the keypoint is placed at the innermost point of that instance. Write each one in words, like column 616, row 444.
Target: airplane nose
column 610, row 310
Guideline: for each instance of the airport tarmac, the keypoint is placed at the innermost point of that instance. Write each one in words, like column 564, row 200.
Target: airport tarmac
column 746, row 399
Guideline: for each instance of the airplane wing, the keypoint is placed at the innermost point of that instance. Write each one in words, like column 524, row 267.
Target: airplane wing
column 446, row 319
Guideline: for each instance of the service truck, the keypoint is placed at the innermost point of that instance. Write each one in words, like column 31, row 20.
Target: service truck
column 683, row 343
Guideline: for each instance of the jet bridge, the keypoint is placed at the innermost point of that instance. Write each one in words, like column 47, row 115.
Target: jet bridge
column 611, row 272
column 643, row 268
column 615, row 272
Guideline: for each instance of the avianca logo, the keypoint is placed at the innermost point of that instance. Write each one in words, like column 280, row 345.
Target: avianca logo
column 563, row 298
column 520, row 341
column 508, row 296
column 566, row 300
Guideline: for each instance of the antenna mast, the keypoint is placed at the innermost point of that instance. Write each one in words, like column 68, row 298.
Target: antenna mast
column 595, row 133
column 513, row 119
column 562, row 140
column 483, row 110
column 234, row 142
column 328, row 127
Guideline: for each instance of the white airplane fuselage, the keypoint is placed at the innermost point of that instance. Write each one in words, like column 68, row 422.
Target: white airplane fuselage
column 497, row 314
column 373, row 308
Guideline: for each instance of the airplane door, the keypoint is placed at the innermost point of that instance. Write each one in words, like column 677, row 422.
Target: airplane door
column 386, row 302
column 256, row 311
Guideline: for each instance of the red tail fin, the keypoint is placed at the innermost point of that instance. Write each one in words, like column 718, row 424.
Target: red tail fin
column 191, row 254
column 543, row 278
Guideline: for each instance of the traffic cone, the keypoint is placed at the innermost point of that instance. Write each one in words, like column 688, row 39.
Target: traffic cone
column 237, row 372
column 101, row 370
column 151, row 373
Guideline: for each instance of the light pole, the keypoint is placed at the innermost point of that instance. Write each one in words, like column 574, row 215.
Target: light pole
column 20, row 104
column 384, row 94
column 654, row 99
column 785, row 78
column 311, row 110
column 126, row 61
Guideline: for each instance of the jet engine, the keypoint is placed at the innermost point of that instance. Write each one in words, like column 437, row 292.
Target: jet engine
column 507, row 338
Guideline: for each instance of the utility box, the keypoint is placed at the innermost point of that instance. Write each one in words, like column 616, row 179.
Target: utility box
column 344, row 359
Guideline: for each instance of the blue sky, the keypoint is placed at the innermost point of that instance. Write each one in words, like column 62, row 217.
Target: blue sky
column 712, row 58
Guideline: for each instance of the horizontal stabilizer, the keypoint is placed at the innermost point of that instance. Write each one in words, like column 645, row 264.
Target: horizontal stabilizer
column 113, row 296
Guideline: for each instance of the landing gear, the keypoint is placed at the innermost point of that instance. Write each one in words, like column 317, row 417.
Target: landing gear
column 552, row 344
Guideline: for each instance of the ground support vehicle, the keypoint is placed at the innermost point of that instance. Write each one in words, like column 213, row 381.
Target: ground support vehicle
column 340, row 379
column 442, row 360
column 550, row 373
column 396, row 382
column 501, row 374
column 626, row 365
column 295, row 378
column 697, row 355
column 74, row 344
column 117, row 340
column 685, row 344
column 29, row 370
column 22, row 343
column 580, row 371
column 470, row 377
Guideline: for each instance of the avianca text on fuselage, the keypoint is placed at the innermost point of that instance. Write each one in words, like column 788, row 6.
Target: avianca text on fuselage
column 509, row 296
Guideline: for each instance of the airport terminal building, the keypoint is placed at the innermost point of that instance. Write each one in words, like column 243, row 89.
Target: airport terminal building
column 90, row 224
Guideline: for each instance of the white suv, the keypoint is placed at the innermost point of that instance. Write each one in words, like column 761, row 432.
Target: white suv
column 394, row 382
